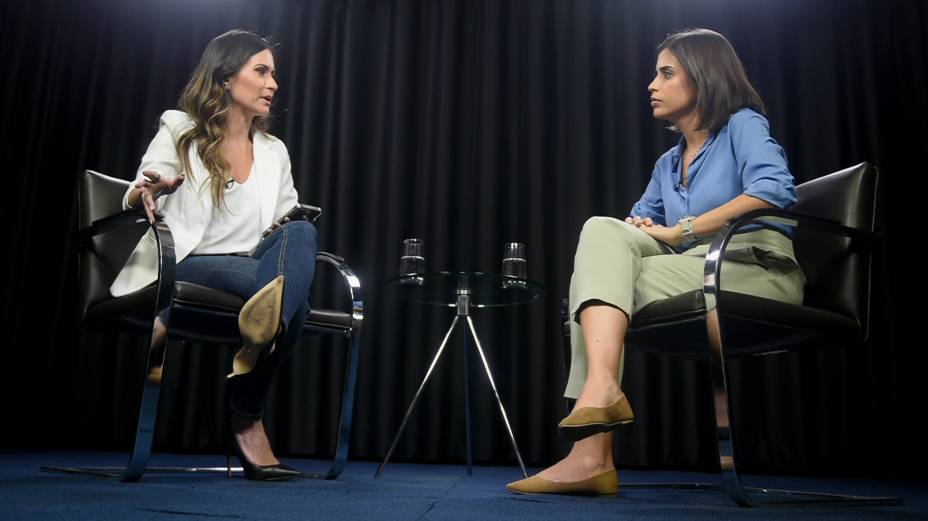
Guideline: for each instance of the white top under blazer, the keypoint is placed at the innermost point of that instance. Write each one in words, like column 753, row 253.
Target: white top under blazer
column 235, row 225
column 188, row 211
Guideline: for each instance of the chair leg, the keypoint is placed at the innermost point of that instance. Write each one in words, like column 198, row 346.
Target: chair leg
column 731, row 480
column 150, row 381
column 721, row 400
column 144, row 435
column 347, row 412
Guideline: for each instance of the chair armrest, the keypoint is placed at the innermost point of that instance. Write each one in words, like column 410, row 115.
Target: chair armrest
column 719, row 244
column 351, row 280
column 716, row 254
column 806, row 221
column 164, row 240
column 112, row 222
column 329, row 257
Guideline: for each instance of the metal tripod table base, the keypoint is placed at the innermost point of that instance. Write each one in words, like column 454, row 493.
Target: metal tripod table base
column 463, row 312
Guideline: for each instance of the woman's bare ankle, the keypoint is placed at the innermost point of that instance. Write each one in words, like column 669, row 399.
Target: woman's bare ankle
column 598, row 394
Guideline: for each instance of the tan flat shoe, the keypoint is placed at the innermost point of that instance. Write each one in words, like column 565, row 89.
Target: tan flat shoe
column 587, row 421
column 605, row 484
column 258, row 322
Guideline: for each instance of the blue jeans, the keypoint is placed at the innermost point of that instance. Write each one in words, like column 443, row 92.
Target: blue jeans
column 289, row 251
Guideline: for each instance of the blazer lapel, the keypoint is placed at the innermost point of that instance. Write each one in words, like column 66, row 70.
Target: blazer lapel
column 267, row 174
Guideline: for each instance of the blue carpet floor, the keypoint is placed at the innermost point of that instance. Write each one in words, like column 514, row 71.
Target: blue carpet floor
column 405, row 492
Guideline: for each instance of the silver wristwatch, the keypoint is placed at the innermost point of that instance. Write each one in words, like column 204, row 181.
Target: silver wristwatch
column 686, row 223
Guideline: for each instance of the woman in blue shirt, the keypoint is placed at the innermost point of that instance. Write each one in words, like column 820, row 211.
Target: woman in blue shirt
column 726, row 164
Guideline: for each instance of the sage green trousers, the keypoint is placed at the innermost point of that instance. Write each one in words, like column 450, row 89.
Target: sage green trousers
column 620, row 265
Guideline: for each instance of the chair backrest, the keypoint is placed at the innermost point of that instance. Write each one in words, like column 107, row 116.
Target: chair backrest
column 838, row 277
column 100, row 259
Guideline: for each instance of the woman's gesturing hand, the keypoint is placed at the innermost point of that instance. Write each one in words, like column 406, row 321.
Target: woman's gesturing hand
column 154, row 186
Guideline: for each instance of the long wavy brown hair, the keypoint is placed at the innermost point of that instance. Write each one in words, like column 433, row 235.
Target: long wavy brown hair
column 206, row 101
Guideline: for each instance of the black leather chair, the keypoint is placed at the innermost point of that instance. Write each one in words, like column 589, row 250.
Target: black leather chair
column 833, row 235
column 107, row 236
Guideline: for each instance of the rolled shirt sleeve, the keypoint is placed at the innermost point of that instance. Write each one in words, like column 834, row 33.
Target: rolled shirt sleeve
column 651, row 203
column 761, row 161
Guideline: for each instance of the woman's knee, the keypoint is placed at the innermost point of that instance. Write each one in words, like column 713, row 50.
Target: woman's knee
column 598, row 228
column 302, row 230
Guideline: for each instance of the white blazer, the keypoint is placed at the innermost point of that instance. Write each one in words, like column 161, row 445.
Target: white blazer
column 188, row 210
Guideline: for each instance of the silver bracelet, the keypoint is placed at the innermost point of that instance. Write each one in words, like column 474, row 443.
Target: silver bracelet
column 686, row 222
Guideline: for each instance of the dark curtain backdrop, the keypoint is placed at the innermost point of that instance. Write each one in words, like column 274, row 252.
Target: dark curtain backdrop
column 468, row 124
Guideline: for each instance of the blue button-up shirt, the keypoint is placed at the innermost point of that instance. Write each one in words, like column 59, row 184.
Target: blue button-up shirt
column 741, row 158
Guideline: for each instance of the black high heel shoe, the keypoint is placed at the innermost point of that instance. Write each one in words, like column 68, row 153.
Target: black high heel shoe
column 253, row 471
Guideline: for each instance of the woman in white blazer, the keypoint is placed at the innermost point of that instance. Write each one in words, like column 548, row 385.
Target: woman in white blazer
column 223, row 185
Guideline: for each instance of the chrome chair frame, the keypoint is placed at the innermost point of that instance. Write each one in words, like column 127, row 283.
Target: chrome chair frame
column 151, row 387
